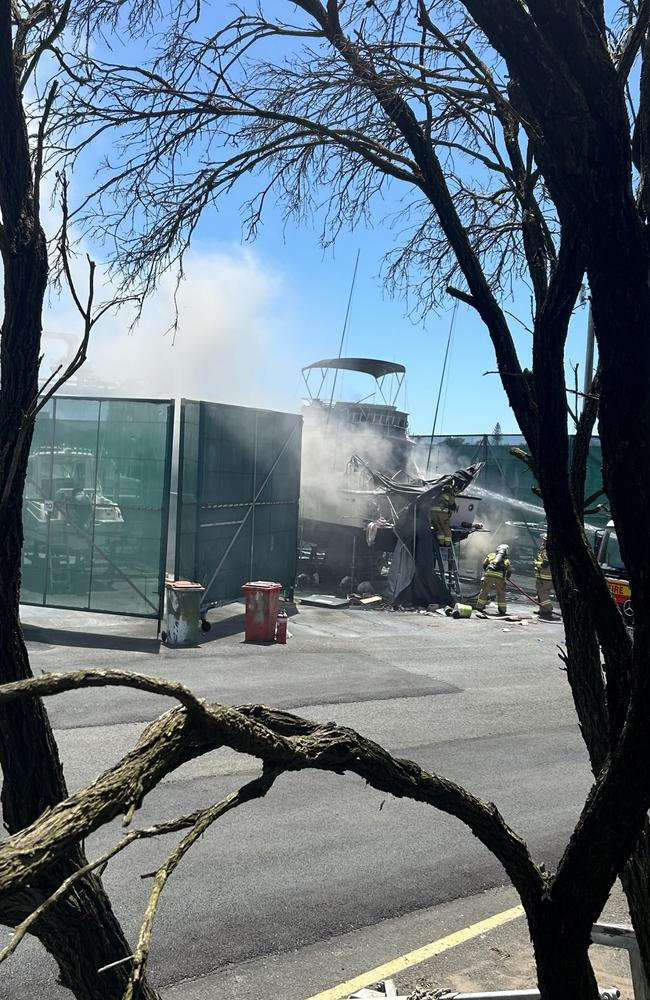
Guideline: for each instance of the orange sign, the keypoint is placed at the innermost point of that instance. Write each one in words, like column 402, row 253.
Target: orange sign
column 619, row 589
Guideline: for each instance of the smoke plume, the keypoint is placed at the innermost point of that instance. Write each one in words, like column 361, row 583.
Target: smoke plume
column 231, row 345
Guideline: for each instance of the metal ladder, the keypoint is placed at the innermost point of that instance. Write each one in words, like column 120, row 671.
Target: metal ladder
column 449, row 573
column 452, row 569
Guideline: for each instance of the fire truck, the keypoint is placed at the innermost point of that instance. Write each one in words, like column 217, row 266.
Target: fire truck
column 609, row 560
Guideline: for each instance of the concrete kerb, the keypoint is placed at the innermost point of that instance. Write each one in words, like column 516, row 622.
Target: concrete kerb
column 484, row 963
column 609, row 935
column 611, row 993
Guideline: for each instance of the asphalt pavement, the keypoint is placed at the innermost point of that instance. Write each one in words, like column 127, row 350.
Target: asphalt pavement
column 268, row 898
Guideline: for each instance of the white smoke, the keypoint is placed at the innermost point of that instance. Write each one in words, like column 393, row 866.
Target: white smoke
column 231, row 345
column 440, row 459
column 328, row 477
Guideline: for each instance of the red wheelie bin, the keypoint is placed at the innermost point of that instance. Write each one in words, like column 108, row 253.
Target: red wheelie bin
column 262, row 604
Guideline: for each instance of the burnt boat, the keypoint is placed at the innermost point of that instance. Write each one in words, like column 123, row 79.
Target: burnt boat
column 358, row 475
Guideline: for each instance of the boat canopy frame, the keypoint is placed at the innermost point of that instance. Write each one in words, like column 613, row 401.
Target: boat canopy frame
column 376, row 368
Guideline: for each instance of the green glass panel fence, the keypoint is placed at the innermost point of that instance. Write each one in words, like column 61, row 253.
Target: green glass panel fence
column 95, row 513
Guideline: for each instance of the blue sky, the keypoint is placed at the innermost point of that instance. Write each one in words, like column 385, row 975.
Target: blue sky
column 297, row 318
column 253, row 315
column 316, row 285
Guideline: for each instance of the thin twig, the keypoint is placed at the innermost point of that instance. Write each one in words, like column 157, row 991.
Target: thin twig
column 40, row 144
column 153, row 831
column 253, row 790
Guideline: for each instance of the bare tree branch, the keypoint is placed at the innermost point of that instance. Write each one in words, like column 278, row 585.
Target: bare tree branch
column 159, row 830
column 281, row 741
column 40, row 141
column 253, row 790
column 634, row 41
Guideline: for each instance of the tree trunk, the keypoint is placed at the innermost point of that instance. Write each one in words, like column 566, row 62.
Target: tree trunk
column 584, row 673
column 83, row 935
column 81, row 931
column 28, row 753
column 635, row 879
column 582, row 660
column 562, row 960
column 585, row 679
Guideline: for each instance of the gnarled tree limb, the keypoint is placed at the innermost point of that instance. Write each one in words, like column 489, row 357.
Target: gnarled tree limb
column 281, row 741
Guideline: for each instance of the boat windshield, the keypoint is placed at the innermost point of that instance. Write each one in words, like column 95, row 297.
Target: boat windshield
column 611, row 553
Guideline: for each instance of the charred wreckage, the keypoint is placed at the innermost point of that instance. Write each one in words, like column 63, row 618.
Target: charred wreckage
column 368, row 518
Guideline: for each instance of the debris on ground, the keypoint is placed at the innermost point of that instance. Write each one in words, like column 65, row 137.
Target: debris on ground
column 430, row 994
column 424, row 994
column 388, row 989
column 410, row 610
column 514, row 619
column 325, row 601
column 361, row 601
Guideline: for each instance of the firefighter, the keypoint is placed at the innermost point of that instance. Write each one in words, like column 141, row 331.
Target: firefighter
column 496, row 570
column 543, row 581
column 443, row 507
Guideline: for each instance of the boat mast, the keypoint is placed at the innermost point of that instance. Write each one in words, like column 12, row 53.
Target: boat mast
column 442, row 379
column 343, row 332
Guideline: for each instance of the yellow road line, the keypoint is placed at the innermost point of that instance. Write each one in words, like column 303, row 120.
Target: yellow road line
column 402, row 962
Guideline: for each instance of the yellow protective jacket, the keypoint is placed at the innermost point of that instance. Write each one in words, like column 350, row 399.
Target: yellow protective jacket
column 445, row 503
column 541, row 564
column 503, row 569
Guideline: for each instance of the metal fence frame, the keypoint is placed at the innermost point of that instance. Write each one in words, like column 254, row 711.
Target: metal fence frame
column 248, row 507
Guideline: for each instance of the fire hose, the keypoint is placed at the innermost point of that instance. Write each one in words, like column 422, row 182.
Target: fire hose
column 522, row 591
column 511, row 583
